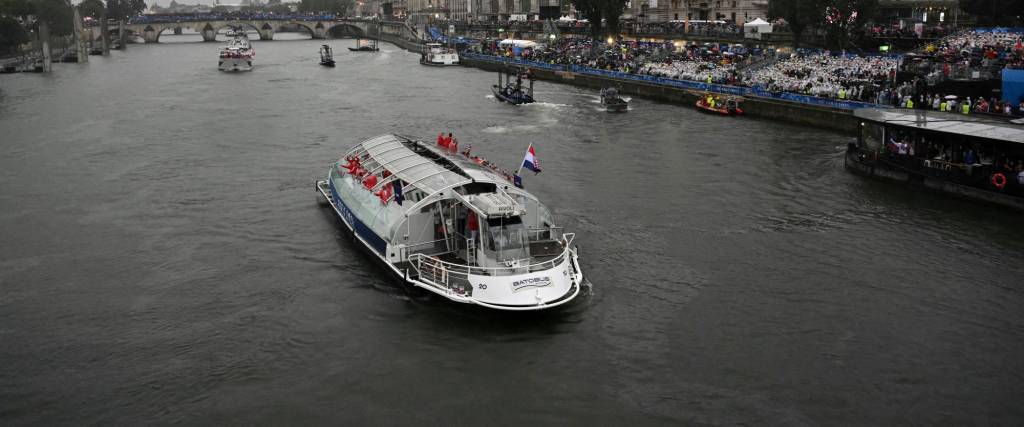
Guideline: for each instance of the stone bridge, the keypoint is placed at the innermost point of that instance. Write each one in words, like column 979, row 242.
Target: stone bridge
column 320, row 29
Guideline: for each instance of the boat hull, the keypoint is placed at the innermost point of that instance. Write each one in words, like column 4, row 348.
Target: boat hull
column 532, row 291
column 616, row 107
column 235, row 64
column 524, row 99
column 719, row 110
column 362, row 49
column 865, row 166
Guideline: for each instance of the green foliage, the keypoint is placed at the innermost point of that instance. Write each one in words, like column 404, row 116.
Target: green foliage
column 338, row 7
column 20, row 8
column 124, row 9
column 995, row 12
column 842, row 17
column 596, row 10
column 58, row 14
column 799, row 14
column 12, row 34
column 93, row 8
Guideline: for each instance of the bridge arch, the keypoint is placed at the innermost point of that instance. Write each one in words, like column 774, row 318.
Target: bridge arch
column 344, row 29
column 303, row 24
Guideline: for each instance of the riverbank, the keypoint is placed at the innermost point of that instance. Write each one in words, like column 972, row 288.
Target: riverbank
column 824, row 116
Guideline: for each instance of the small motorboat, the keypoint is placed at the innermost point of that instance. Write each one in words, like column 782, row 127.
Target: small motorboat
column 513, row 92
column 730, row 107
column 326, row 56
column 613, row 103
column 365, row 45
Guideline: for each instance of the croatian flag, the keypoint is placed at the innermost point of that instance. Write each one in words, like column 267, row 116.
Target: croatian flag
column 530, row 161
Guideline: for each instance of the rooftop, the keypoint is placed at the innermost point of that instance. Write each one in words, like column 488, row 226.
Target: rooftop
column 952, row 123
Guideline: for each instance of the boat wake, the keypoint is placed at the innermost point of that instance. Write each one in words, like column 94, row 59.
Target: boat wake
column 510, row 129
column 544, row 105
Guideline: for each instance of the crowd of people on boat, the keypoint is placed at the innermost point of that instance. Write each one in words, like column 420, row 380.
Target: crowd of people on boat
column 972, row 164
column 450, row 144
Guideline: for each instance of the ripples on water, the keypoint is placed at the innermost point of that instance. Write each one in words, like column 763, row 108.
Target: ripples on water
column 165, row 259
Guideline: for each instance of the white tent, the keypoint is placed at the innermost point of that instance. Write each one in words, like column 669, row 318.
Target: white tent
column 517, row 43
column 754, row 29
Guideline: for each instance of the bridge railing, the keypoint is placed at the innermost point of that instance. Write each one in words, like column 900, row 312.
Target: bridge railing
column 755, row 91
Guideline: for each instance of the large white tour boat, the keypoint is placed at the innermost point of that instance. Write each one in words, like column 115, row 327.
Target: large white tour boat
column 444, row 222
column 437, row 54
column 237, row 55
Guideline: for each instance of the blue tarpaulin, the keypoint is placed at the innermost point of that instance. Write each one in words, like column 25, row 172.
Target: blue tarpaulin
column 1013, row 86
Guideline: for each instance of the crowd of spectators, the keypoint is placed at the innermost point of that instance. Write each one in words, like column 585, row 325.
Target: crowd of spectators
column 706, row 63
column 908, row 32
column 230, row 16
column 968, row 55
column 868, row 79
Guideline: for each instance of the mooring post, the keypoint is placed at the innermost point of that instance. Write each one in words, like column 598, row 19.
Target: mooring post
column 122, row 35
column 44, row 42
column 83, row 51
column 105, row 34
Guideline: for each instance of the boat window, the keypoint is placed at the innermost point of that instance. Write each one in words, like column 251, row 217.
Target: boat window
column 505, row 233
column 872, row 136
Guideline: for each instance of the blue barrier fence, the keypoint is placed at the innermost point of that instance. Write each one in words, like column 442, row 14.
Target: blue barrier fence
column 681, row 84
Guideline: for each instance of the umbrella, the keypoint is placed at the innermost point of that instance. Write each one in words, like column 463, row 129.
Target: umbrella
column 950, row 96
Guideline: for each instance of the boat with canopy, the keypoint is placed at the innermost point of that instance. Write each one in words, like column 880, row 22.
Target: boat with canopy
column 238, row 54
column 972, row 157
column 452, row 224
column 436, row 54
column 326, row 56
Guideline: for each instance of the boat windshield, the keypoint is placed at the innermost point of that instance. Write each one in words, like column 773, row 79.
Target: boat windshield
column 506, row 236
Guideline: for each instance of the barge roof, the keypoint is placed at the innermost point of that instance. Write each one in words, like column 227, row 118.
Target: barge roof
column 951, row 123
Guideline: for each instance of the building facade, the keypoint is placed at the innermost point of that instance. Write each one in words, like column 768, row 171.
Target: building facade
column 735, row 11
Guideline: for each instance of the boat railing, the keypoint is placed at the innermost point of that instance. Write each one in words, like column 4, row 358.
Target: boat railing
column 542, row 234
column 447, row 274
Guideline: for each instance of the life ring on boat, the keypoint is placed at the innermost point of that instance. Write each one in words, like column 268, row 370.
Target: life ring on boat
column 998, row 180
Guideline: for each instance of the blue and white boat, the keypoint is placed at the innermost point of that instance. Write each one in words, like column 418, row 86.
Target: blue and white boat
column 444, row 222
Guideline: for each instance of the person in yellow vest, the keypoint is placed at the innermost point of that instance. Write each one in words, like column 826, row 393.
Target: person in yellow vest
column 942, row 106
column 910, row 103
column 842, row 93
column 709, row 78
column 965, row 108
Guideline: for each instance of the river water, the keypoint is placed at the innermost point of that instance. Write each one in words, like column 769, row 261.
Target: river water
column 164, row 259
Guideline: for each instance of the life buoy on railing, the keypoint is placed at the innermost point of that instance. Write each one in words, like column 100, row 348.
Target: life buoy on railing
column 998, row 180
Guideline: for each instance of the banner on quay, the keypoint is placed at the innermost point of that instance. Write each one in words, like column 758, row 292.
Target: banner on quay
column 1013, row 86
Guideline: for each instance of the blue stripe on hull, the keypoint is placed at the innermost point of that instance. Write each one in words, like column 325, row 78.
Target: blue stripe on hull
column 375, row 242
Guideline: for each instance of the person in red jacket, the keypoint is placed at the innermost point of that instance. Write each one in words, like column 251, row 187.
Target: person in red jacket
column 472, row 225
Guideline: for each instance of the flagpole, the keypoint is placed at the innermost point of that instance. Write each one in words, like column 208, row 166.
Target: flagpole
column 524, row 160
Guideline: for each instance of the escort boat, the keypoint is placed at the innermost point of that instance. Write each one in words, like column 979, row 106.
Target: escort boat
column 513, row 92
column 326, row 56
column 237, row 55
column 448, row 223
column 613, row 103
column 731, row 106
